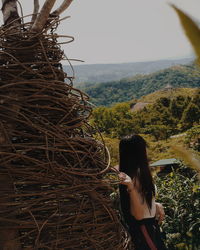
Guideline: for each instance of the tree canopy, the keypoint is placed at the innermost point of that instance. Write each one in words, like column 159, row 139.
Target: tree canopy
column 110, row 93
column 163, row 118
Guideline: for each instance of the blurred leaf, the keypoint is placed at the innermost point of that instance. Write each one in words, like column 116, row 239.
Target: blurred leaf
column 195, row 188
column 180, row 245
column 189, row 234
column 191, row 29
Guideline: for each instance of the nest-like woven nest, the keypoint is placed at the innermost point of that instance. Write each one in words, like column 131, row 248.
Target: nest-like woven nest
column 52, row 187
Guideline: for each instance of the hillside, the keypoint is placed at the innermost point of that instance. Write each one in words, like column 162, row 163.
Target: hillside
column 109, row 93
column 162, row 118
column 170, row 93
column 113, row 72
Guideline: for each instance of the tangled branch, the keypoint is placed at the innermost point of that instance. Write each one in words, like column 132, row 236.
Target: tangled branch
column 59, row 199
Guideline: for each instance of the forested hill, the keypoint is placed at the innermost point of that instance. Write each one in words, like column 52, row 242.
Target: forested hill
column 109, row 93
column 164, row 116
column 114, row 72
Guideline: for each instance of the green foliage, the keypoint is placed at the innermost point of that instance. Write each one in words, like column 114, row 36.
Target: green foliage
column 115, row 122
column 191, row 30
column 162, row 119
column 158, row 131
column 157, row 149
column 178, row 106
column 110, row 93
column 113, row 147
column 179, row 192
column 192, row 138
column 175, row 92
column 190, row 115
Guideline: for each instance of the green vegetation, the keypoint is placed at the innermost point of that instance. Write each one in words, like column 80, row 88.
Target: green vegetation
column 110, row 93
column 193, row 138
column 179, row 193
column 157, row 149
column 175, row 112
column 171, row 93
column 114, row 122
column 161, row 119
column 191, row 29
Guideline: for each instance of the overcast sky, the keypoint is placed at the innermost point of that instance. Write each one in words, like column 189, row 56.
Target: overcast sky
column 115, row 31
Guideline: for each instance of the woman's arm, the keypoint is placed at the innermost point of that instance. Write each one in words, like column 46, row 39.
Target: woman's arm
column 138, row 208
column 126, row 180
column 160, row 213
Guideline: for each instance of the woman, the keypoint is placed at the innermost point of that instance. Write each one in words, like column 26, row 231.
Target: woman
column 137, row 195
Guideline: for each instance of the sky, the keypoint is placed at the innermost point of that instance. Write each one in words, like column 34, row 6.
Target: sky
column 117, row 31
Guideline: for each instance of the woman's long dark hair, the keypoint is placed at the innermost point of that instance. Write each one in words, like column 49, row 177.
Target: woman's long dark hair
column 133, row 162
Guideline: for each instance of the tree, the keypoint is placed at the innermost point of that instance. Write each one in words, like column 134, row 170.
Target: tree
column 190, row 116
column 51, row 167
column 178, row 105
column 116, row 121
column 159, row 132
column 193, row 138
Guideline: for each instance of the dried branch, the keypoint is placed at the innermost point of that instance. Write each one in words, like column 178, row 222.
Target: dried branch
column 10, row 13
column 50, row 152
column 43, row 16
column 8, row 236
column 35, row 11
column 63, row 7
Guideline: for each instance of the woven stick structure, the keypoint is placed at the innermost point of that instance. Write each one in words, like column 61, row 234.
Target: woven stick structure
column 52, row 187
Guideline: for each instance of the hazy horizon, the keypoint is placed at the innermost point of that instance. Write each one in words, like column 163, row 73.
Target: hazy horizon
column 192, row 57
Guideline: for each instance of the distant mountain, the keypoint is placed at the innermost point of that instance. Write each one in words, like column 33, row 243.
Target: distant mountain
column 113, row 72
column 109, row 93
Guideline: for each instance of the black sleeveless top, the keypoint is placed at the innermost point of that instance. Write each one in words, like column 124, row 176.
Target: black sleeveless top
column 146, row 234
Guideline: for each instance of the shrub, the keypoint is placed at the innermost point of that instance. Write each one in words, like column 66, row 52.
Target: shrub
column 179, row 193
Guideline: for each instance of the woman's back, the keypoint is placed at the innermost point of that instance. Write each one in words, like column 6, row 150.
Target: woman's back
column 138, row 205
column 137, row 194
